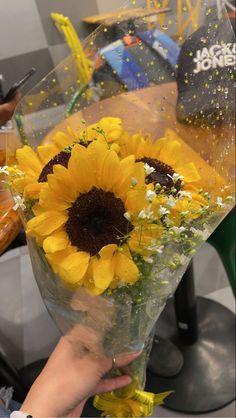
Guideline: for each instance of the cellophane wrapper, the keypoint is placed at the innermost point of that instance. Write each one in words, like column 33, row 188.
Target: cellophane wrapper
column 121, row 320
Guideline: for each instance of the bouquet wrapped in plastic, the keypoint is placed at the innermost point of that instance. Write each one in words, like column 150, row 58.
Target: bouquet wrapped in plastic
column 116, row 195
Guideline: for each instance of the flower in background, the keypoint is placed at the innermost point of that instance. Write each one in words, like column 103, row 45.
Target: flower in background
column 81, row 220
column 171, row 180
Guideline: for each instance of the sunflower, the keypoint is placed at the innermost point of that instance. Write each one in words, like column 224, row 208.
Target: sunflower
column 87, row 218
column 174, row 172
column 34, row 166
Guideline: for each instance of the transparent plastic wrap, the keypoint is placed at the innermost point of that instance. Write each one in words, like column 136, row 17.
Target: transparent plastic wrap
column 122, row 179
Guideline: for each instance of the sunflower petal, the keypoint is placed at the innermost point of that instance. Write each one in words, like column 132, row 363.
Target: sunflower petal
column 125, row 268
column 103, row 272
column 81, row 169
column 73, row 268
column 47, row 152
column 29, row 162
column 109, row 170
column 46, row 223
column 56, row 242
column 189, row 171
column 108, row 251
column 62, row 140
column 62, row 184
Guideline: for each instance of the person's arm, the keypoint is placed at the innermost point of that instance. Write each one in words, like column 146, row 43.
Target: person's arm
column 69, row 379
column 7, row 109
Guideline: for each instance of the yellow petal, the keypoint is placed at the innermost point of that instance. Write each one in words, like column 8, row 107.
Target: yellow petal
column 62, row 140
column 29, row 162
column 61, row 182
column 55, row 259
column 46, row 223
column 108, row 251
column 103, row 272
column 108, row 171
column 50, row 200
column 32, row 191
column 56, row 242
column 81, row 169
column 47, row 152
column 189, row 171
column 125, row 268
column 73, row 268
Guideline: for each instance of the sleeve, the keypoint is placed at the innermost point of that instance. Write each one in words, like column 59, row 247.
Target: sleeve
column 4, row 413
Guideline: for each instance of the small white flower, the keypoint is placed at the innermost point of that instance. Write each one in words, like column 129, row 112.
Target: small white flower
column 202, row 234
column 4, row 170
column 171, row 201
column 160, row 249
column 219, row 202
column 168, row 222
column 155, row 248
column 184, row 213
column 178, row 230
column 175, row 177
column 145, row 213
column 148, row 260
column 19, row 203
column 148, row 169
column 150, row 195
column 182, row 194
column 183, row 259
column 163, row 211
column 127, row 216
column 134, row 181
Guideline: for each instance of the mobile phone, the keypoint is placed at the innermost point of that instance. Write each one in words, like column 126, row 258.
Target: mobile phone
column 16, row 86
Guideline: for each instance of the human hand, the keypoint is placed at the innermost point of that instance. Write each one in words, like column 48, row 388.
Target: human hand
column 7, row 109
column 69, row 379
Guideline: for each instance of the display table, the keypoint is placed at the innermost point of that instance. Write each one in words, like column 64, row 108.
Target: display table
column 111, row 18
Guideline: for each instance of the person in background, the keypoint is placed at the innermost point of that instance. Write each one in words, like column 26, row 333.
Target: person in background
column 7, row 109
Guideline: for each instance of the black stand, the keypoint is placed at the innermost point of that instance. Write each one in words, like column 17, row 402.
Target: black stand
column 205, row 336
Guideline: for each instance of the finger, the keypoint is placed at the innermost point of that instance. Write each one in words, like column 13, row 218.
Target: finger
column 121, row 361
column 108, row 385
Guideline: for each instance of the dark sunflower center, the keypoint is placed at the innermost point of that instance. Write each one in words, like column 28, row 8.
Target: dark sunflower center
column 163, row 175
column 62, row 158
column 97, row 219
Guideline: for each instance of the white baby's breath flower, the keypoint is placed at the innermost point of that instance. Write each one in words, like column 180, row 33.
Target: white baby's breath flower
column 163, row 211
column 175, row 177
column 219, row 202
column 148, row 169
column 150, row 195
column 171, row 201
column 4, row 170
column 134, row 181
column 178, row 230
column 184, row 213
column 148, row 260
column 168, row 222
column 155, row 248
column 200, row 233
column 182, row 194
column 145, row 213
column 127, row 216
column 183, row 259
column 19, row 203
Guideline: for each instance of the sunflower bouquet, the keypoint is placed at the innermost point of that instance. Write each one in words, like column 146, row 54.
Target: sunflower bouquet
column 112, row 220
column 116, row 197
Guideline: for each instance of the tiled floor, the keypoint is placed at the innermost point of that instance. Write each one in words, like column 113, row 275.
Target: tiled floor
column 24, row 320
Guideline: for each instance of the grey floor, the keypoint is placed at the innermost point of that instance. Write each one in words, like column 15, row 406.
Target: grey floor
column 23, row 318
